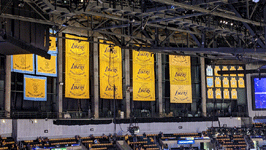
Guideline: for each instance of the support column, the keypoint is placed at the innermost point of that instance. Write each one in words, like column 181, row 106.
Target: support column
column 203, row 87
column 60, row 83
column 160, row 82
column 95, row 78
column 8, row 86
column 127, row 79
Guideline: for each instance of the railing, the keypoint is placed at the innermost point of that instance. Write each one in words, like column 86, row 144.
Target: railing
column 50, row 115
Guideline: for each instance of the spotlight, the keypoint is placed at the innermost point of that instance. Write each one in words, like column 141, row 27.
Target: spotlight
column 133, row 130
column 35, row 121
column 232, row 24
column 226, row 22
column 221, row 21
column 255, row 1
column 21, row 4
column 3, row 121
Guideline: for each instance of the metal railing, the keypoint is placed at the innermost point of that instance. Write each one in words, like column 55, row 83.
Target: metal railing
column 50, row 115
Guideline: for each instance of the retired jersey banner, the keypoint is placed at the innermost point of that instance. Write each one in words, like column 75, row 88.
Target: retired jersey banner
column 143, row 76
column 77, row 68
column 180, row 79
column 46, row 67
column 35, row 88
column 110, row 71
column 23, row 63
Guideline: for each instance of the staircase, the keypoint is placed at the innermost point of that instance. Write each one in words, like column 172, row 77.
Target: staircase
column 122, row 145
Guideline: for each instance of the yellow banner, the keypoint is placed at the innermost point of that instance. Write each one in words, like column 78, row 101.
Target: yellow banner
column 52, row 44
column 143, row 76
column 110, row 71
column 77, row 48
column 143, row 91
column 175, row 60
column 77, row 68
column 23, row 63
column 210, row 94
column 110, row 53
column 181, row 94
column 218, row 93
column 35, row 88
column 180, row 75
column 241, row 82
column 216, row 69
column 234, row 94
column 226, row 94
column 46, row 66
column 225, row 82
column 218, row 82
column 233, row 82
column 77, row 87
column 180, row 79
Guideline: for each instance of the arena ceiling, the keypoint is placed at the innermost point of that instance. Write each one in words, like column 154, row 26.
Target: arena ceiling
column 217, row 29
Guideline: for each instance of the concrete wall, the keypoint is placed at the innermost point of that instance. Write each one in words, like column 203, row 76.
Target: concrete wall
column 251, row 112
column 27, row 129
column 6, row 127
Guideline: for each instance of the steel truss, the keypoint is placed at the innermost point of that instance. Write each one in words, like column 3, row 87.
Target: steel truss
column 216, row 28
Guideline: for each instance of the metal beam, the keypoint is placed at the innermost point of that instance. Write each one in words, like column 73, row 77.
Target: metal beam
column 224, row 50
column 195, row 8
column 247, row 26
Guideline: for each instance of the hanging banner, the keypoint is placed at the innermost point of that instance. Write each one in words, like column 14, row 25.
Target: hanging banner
column 233, row 82
column 23, row 63
column 110, row 71
column 181, row 94
column 216, row 69
column 226, row 94
column 52, row 42
column 143, row 76
column 180, row 79
column 234, row 94
column 46, row 67
column 241, row 83
column 209, row 70
column 218, row 93
column 225, row 82
column 210, row 94
column 35, row 88
column 218, row 82
column 77, row 68
column 209, row 82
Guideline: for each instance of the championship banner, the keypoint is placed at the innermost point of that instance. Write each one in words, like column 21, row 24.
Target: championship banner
column 210, row 94
column 23, row 63
column 180, row 94
column 180, row 79
column 52, row 42
column 77, row 68
column 46, row 67
column 35, row 88
column 110, row 71
column 143, row 76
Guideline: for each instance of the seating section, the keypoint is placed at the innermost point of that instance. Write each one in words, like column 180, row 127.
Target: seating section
column 231, row 142
column 45, row 142
column 8, row 143
column 99, row 142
